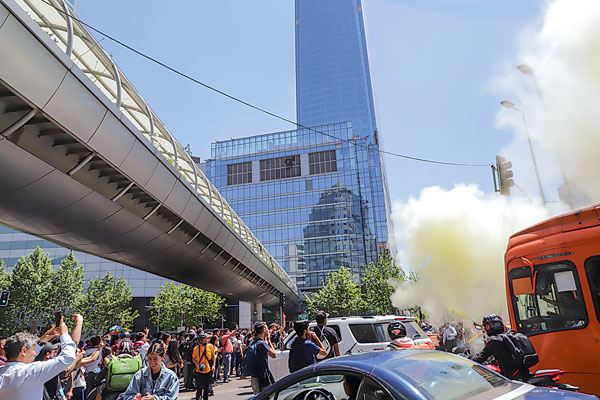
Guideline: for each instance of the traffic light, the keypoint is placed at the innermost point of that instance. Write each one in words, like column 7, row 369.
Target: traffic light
column 4, row 295
column 505, row 175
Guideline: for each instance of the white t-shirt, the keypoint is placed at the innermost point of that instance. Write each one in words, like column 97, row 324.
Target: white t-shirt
column 91, row 367
column 79, row 378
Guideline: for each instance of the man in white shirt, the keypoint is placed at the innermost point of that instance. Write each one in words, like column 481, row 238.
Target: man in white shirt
column 25, row 377
column 449, row 339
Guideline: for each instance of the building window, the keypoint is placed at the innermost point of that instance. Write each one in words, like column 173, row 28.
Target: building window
column 239, row 173
column 322, row 162
column 279, row 168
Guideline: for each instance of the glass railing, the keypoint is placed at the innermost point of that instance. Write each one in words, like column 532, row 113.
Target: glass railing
column 71, row 36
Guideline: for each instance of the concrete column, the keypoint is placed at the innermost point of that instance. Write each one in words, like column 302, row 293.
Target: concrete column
column 245, row 315
column 256, row 308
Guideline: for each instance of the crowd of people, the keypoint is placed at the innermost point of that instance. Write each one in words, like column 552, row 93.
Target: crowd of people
column 61, row 366
column 137, row 366
column 449, row 336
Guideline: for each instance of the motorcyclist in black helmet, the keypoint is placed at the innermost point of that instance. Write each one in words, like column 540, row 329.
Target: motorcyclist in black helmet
column 497, row 346
column 397, row 332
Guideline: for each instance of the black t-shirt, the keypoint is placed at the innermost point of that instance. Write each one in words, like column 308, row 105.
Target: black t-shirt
column 53, row 389
column 155, row 375
column 275, row 337
column 329, row 334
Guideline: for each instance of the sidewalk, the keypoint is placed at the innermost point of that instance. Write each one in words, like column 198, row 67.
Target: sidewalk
column 236, row 389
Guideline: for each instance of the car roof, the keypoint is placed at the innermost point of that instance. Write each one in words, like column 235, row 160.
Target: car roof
column 375, row 318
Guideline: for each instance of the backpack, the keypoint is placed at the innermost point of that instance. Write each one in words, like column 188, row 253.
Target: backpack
column 250, row 360
column 523, row 352
column 326, row 344
column 121, row 370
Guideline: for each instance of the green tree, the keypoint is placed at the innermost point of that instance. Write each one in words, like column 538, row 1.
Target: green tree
column 376, row 284
column 177, row 304
column 339, row 297
column 67, row 285
column 106, row 302
column 31, row 292
column 4, row 311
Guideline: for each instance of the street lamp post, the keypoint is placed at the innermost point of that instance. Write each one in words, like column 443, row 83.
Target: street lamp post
column 527, row 70
column 510, row 104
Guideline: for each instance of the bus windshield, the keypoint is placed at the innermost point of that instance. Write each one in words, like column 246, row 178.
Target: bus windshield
column 557, row 303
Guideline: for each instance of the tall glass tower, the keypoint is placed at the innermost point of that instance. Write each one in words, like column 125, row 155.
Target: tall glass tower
column 333, row 84
column 316, row 197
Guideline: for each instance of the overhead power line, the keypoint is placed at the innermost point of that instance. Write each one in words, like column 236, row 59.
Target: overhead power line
column 272, row 114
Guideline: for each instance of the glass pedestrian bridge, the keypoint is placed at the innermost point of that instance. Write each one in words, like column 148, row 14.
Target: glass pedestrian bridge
column 64, row 102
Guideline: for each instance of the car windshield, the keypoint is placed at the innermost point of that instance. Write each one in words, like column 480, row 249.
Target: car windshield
column 441, row 376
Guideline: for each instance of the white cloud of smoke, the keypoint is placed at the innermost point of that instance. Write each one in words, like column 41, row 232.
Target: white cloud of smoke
column 563, row 114
column 455, row 239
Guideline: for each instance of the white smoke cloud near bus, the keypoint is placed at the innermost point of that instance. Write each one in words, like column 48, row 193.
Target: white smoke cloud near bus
column 455, row 239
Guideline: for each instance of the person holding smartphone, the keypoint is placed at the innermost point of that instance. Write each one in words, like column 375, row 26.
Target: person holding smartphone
column 26, row 377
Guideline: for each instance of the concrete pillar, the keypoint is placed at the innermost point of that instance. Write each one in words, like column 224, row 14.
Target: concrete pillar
column 256, row 308
column 245, row 315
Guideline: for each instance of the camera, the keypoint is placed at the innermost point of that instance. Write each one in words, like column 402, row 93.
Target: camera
column 202, row 366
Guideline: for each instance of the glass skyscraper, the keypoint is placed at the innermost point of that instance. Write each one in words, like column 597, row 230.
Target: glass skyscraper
column 333, row 84
column 316, row 197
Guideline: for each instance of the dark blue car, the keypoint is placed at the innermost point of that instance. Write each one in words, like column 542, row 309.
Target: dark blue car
column 404, row 374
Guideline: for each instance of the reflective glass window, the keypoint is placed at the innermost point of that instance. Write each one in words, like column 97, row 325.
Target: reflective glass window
column 592, row 269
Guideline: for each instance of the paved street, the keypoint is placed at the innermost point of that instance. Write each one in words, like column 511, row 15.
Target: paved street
column 236, row 389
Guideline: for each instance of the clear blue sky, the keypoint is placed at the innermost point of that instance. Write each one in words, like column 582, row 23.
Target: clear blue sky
column 431, row 64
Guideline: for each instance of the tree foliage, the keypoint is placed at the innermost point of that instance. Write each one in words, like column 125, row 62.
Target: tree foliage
column 185, row 304
column 37, row 290
column 341, row 296
column 31, row 292
column 105, row 302
column 67, row 285
column 377, row 284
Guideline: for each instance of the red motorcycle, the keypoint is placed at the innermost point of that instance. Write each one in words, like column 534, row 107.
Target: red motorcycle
column 549, row 378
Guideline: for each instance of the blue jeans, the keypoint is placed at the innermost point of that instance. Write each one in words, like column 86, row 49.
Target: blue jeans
column 226, row 365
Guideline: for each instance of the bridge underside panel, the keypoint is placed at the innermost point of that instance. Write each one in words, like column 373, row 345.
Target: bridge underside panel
column 56, row 207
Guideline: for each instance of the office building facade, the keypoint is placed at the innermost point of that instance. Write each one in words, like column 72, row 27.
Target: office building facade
column 316, row 197
column 300, row 193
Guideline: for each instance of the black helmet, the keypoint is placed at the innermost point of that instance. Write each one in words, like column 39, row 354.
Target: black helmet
column 493, row 324
column 396, row 330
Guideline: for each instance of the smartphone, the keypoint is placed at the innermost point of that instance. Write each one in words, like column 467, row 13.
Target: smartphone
column 57, row 317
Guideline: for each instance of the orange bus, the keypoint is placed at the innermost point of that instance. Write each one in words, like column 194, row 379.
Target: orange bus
column 553, row 292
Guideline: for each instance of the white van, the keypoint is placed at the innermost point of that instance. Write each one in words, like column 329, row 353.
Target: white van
column 357, row 335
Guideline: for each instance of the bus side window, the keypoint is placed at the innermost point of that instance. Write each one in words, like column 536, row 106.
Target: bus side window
column 592, row 270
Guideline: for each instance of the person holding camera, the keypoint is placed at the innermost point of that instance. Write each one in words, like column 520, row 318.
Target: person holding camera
column 203, row 357
column 26, row 377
